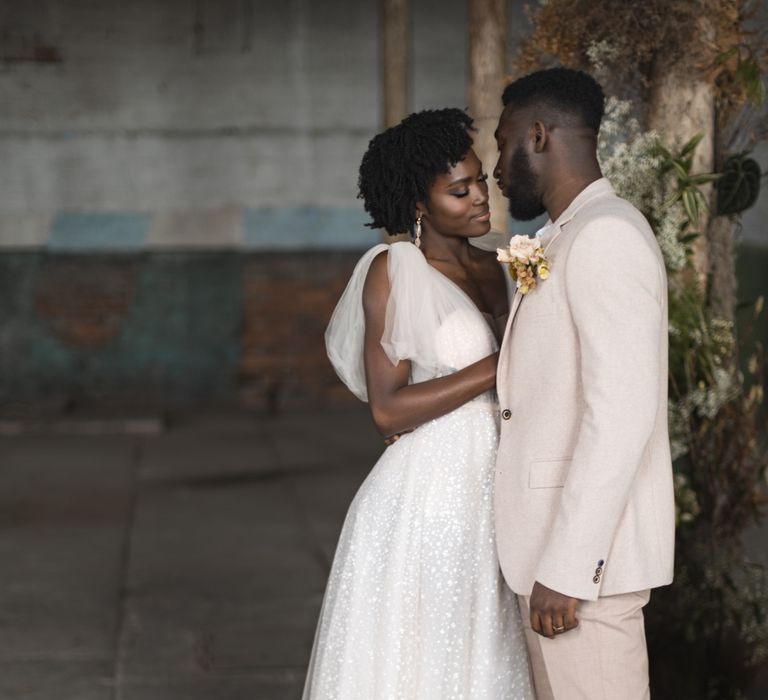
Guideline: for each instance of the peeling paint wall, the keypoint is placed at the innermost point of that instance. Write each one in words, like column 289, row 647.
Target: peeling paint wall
column 177, row 190
column 173, row 109
column 168, row 330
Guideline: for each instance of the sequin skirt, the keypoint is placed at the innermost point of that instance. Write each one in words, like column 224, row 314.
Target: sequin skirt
column 415, row 607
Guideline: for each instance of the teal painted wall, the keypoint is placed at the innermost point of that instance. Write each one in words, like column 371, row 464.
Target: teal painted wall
column 163, row 328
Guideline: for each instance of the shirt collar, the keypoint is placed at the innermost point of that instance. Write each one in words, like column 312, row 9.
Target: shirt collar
column 594, row 189
column 551, row 229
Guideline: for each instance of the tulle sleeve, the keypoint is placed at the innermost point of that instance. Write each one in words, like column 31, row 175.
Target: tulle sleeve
column 346, row 330
column 410, row 326
column 426, row 317
column 412, row 319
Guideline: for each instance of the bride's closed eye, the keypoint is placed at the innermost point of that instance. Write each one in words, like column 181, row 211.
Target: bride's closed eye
column 481, row 178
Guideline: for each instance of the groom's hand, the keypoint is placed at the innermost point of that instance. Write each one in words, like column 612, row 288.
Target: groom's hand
column 552, row 613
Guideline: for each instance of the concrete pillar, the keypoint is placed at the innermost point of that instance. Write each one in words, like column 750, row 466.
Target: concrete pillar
column 487, row 72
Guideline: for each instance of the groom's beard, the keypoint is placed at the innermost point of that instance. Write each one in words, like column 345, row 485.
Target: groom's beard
column 525, row 201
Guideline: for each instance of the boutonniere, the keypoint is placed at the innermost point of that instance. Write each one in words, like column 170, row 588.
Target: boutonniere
column 526, row 261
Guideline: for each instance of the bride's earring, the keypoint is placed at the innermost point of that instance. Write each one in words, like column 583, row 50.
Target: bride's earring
column 417, row 231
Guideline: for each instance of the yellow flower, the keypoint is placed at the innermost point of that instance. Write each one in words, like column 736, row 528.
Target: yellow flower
column 526, row 262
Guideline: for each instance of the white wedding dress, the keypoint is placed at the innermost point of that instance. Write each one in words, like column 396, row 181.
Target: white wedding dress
column 415, row 607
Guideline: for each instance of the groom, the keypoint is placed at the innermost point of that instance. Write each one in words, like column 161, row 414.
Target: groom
column 584, row 497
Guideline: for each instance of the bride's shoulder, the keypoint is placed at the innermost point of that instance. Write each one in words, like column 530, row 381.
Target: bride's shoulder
column 391, row 267
column 377, row 270
column 385, row 259
column 404, row 249
column 376, row 286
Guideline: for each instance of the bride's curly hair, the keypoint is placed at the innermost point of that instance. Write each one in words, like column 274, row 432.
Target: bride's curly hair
column 402, row 162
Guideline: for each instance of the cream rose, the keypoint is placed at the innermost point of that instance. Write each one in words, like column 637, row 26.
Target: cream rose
column 520, row 248
column 525, row 258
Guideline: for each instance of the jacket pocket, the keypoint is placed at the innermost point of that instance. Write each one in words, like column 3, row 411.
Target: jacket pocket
column 549, row 474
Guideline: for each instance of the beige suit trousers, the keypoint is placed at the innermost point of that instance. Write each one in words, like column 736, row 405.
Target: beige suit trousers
column 604, row 658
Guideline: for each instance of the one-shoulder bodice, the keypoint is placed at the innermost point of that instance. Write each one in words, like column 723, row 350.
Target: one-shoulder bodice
column 430, row 321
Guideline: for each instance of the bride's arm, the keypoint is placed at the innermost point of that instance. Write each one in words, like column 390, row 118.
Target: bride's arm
column 397, row 406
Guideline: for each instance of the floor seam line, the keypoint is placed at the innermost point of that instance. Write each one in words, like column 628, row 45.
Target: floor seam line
column 137, row 454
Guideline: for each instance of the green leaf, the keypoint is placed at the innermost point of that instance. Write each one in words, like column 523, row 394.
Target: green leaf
column 739, row 186
column 747, row 71
column 701, row 200
column 690, row 237
column 704, row 178
column 749, row 74
column 756, row 92
column 681, row 171
column 726, row 55
column 691, row 206
column 691, row 145
column 674, row 197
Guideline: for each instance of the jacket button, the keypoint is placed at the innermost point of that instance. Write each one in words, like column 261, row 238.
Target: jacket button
column 598, row 571
column 596, row 579
column 506, row 414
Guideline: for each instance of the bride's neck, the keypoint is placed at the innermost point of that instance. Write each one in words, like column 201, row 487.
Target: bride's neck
column 451, row 249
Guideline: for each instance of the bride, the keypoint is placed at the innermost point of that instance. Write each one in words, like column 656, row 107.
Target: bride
column 415, row 607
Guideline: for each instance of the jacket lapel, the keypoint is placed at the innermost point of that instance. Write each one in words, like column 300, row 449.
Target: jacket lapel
column 598, row 188
column 502, row 367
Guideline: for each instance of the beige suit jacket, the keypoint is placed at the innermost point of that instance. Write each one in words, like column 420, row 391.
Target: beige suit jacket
column 584, row 494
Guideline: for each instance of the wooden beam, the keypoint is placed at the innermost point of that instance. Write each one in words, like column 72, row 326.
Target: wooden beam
column 487, row 21
column 396, row 59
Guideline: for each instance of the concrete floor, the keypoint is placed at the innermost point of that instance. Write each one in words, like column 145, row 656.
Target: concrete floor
column 189, row 565
column 185, row 565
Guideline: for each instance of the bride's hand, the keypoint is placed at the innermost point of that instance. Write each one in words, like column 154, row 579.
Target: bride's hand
column 392, row 439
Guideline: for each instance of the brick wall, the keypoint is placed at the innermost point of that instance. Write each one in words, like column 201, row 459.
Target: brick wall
column 168, row 329
column 287, row 302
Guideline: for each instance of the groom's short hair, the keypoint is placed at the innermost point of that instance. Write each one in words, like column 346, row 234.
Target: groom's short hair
column 567, row 91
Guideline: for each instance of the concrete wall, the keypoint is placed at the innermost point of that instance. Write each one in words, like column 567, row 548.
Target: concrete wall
column 226, row 124
column 212, row 123
column 208, row 124
column 155, row 158
column 178, row 187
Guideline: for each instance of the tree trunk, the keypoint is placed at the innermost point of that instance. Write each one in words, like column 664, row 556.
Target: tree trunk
column 487, row 52
column 681, row 106
column 396, row 59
